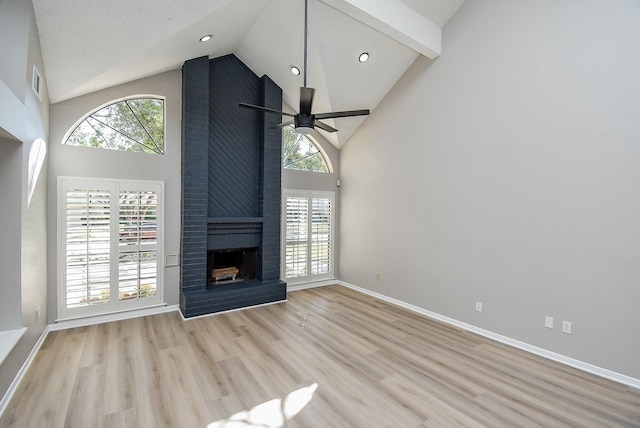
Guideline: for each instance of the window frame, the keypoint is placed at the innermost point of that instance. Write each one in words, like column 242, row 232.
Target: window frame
column 114, row 186
column 309, row 195
column 318, row 146
column 88, row 114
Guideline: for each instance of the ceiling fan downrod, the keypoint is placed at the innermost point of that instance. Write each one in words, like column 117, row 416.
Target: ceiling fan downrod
column 306, row 24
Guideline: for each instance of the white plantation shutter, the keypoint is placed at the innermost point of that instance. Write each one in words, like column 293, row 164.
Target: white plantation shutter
column 296, row 241
column 321, row 235
column 308, row 240
column 138, row 245
column 110, row 245
column 88, row 251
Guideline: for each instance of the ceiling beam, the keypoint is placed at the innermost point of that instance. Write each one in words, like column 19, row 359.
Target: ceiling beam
column 395, row 20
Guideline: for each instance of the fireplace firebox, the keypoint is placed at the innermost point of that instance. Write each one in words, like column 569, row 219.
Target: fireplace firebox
column 229, row 266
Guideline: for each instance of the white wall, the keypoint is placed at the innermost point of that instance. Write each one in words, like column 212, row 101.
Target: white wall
column 91, row 162
column 10, row 221
column 13, row 49
column 506, row 172
column 23, row 119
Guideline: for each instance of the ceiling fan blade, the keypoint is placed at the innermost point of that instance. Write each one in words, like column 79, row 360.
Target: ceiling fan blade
column 324, row 126
column 335, row 114
column 306, row 100
column 283, row 124
column 269, row 110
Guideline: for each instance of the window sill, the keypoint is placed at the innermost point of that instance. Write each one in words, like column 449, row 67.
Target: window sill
column 8, row 340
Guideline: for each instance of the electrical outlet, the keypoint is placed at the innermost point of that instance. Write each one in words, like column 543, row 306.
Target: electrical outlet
column 548, row 322
column 377, row 277
column 566, row 327
column 478, row 306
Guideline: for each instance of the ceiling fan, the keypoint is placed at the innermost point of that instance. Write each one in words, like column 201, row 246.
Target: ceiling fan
column 305, row 121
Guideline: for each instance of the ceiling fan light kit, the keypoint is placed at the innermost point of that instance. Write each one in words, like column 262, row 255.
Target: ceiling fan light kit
column 304, row 122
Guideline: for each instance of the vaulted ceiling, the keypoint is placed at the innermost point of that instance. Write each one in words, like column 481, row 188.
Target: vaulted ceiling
column 92, row 45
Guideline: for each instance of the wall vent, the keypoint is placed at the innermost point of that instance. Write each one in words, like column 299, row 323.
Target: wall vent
column 36, row 83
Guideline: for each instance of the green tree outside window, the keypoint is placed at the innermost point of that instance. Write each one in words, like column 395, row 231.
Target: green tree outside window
column 133, row 125
column 298, row 152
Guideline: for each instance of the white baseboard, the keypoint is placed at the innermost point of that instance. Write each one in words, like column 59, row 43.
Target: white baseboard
column 315, row 284
column 23, row 370
column 116, row 316
column 571, row 362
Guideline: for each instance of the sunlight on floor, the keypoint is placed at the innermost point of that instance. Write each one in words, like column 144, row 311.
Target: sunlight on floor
column 270, row 414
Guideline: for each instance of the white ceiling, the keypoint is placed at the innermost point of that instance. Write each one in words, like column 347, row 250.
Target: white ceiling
column 91, row 45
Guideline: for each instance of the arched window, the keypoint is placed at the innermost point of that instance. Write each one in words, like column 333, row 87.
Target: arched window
column 133, row 125
column 299, row 152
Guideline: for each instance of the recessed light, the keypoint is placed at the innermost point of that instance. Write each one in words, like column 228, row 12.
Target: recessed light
column 364, row 56
column 295, row 70
column 206, row 38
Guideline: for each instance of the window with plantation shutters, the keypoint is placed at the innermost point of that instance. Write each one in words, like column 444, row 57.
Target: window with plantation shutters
column 308, row 240
column 110, row 246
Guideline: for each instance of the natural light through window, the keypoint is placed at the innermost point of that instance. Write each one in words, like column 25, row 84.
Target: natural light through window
column 37, row 154
column 133, row 125
column 299, row 152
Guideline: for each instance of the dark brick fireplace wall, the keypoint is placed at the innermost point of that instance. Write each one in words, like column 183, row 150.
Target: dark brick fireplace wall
column 231, row 182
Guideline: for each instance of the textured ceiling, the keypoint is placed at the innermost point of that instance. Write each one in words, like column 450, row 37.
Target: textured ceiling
column 92, row 45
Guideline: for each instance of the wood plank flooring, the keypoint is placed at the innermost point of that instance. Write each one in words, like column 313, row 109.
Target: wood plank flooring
column 329, row 357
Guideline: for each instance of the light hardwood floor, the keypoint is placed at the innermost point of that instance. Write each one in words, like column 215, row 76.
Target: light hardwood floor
column 342, row 358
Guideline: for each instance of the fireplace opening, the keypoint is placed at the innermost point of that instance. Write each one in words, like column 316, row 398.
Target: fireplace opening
column 228, row 266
